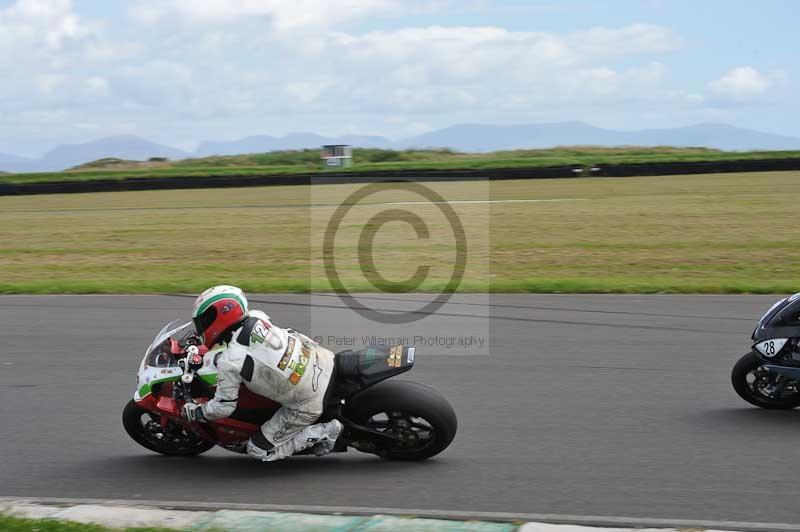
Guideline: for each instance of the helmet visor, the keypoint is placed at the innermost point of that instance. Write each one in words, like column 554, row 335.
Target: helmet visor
column 204, row 321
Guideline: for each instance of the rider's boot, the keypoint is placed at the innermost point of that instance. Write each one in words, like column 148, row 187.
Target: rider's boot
column 330, row 433
column 322, row 436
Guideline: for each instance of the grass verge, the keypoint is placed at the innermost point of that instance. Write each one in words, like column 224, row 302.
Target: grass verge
column 720, row 233
column 15, row 524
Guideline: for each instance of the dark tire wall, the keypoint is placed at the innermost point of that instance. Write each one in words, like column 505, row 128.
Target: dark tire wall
column 407, row 396
column 481, row 174
column 745, row 365
column 131, row 422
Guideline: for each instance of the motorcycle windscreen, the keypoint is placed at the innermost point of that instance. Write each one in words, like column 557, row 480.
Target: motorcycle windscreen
column 788, row 316
column 160, row 356
column 171, row 329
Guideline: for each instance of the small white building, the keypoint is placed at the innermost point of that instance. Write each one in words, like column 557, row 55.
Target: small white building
column 337, row 156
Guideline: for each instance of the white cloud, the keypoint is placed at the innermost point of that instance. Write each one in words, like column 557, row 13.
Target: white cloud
column 224, row 69
column 44, row 116
column 96, row 86
column 277, row 63
column 47, row 50
column 741, row 83
column 627, row 40
column 443, row 68
column 40, row 29
column 47, row 84
column 278, row 14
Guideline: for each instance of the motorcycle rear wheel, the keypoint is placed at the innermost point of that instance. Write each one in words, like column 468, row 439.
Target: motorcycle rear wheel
column 743, row 371
column 145, row 428
column 417, row 413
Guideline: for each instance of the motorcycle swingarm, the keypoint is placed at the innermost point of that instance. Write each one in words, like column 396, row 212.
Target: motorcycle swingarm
column 358, row 432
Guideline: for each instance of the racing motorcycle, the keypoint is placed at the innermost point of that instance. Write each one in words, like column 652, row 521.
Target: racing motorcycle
column 393, row 419
column 769, row 375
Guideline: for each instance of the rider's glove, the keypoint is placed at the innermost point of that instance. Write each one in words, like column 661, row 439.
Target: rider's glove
column 192, row 412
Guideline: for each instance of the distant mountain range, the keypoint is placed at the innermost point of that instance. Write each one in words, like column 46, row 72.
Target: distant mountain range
column 477, row 137
column 464, row 137
column 293, row 141
column 69, row 155
column 13, row 163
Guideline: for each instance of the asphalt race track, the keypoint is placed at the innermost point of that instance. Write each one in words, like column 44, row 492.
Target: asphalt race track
column 586, row 405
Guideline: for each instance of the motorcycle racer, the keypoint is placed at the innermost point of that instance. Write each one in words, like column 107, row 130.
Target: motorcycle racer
column 281, row 364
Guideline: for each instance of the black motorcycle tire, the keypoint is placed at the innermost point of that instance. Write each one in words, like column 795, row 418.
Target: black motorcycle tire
column 132, row 421
column 741, row 369
column 415, row 400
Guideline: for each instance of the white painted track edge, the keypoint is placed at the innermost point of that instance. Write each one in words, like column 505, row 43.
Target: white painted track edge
column 566, row 519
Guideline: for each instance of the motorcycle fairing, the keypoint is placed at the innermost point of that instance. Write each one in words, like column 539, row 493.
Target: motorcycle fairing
column 150, row 376
column 772, row 347
column 208, row 373
column 160, row 367
column 782, row 320
column 225, row 432
column 358, row 370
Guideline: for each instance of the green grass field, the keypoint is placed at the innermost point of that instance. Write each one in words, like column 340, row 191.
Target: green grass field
column 366, row 160
column 14, row 524
column 722, row 233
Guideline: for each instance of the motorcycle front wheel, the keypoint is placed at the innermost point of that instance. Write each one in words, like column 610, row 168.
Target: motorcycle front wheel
column 758, row 386
column 172, row 440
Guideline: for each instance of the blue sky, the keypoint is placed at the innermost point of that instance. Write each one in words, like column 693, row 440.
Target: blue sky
column 182, row 71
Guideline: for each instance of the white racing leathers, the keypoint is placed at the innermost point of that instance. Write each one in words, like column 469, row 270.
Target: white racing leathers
column 287, row 367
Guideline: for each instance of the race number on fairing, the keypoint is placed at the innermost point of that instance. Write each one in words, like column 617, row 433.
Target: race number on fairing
column 770, row 348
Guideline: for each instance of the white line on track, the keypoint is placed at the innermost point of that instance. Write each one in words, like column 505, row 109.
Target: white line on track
column 173, row 208
column 585, row 520
column 463, row 202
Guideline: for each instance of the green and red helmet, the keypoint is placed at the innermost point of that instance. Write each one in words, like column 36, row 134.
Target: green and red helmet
column 217, row 310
